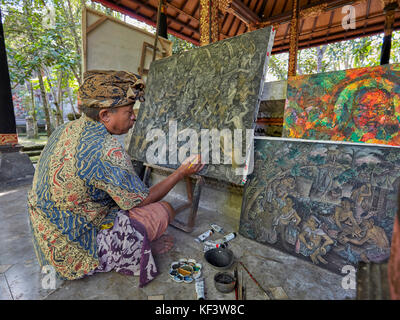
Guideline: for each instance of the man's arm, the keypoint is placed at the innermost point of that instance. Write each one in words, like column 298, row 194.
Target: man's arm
column 159, row 191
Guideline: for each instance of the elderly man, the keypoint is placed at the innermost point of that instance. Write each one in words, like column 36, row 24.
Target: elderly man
column 89, row 211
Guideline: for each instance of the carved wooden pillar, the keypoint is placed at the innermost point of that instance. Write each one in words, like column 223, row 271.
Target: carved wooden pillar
column 389, row 9
column 209, row 21
column 293, row 39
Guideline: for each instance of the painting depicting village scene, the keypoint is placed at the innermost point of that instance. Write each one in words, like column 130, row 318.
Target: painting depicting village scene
column 214, row 87
column 332, row 204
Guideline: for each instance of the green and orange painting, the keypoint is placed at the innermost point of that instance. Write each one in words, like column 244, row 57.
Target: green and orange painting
column 355, row 105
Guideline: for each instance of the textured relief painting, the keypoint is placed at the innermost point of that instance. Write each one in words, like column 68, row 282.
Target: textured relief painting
column 331, row 204
column 214, row 87
column 359, row 105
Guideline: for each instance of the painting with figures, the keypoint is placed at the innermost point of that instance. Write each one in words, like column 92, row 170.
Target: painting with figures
column 214, row 87
column 332, row 204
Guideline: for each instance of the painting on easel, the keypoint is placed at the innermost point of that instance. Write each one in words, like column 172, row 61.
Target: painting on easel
column 214, row 87
column 358, row 105
column 332, row 204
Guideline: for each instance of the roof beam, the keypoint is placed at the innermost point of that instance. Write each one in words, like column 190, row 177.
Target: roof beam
column 376, row 28
column 325, row 5
column 130, row 12
column 243, row 13
column 167, row 4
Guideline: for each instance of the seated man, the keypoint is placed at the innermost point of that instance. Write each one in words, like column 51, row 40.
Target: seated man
column 89, row 212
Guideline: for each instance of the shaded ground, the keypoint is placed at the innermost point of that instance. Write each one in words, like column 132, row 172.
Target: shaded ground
column 21, row 278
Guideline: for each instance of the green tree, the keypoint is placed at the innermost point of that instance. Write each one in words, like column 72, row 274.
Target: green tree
column 356, row 53
column 43, row 41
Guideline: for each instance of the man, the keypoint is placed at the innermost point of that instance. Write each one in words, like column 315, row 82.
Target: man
column 89, row 211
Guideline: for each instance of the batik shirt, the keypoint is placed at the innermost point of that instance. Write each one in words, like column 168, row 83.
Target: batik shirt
column 83, row 177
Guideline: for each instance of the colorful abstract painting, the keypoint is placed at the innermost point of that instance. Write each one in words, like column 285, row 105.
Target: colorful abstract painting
column 359, row 105
column 332, row 204
column 214, row 87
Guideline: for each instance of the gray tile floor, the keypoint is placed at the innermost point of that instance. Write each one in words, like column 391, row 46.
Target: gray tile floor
column 21, row 277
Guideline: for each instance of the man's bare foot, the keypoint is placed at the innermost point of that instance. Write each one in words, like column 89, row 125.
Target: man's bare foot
column 162, row 244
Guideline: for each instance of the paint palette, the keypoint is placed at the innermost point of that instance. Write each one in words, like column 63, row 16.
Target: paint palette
column 185, row 270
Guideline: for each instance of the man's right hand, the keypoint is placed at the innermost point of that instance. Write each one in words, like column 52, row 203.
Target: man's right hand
column 190, row 166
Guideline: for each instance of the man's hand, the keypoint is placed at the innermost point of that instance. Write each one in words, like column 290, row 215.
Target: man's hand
column 157, row 192
column 190, row 166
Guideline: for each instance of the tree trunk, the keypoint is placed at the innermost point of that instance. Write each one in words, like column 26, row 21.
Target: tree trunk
column 68, row 13
column 57, row 96
column 44, row 102
column 33, row 110
column 320, row 57
column 71, row 102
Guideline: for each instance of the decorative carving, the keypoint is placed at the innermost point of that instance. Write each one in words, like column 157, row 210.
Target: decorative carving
column 8, row 138
column 209, row 21
column 293, row 39
column 386, row 3
column 223, row 5
column 313, row 11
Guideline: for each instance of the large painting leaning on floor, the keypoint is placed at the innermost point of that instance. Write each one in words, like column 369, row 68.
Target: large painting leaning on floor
column 358, row 105
column 332, row 204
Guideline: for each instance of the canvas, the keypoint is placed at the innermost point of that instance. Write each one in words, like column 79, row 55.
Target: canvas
column 358, row 105
column 217, row 86
column 332, row 204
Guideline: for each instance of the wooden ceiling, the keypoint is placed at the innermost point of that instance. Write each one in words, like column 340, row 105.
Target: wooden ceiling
column 320, row 20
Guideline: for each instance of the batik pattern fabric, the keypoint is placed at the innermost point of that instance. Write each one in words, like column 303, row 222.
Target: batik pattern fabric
column 125, row 248
column 82, row 179
column 110, row 89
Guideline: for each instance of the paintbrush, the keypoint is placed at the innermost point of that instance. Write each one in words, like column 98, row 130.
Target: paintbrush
column 237, row 283
column 192, row 162
column 268, row 294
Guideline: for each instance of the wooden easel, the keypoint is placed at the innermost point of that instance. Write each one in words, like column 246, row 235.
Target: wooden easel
column 193, row 196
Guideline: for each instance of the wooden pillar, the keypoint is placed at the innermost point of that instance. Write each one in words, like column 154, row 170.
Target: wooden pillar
column 8, row 128
column 209, row 21
column 293, row 39
column 389, row 9
column 160, row 5
column 163, row 23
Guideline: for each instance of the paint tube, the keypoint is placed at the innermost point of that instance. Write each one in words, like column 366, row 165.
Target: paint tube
column 208, row 245
column 216, row 228
column 204, row 236
column 227, row 238
column 199, row 285
column 206, row 248
column 215, row 244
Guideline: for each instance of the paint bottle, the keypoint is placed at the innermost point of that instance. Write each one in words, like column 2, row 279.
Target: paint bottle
column 204, row 236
